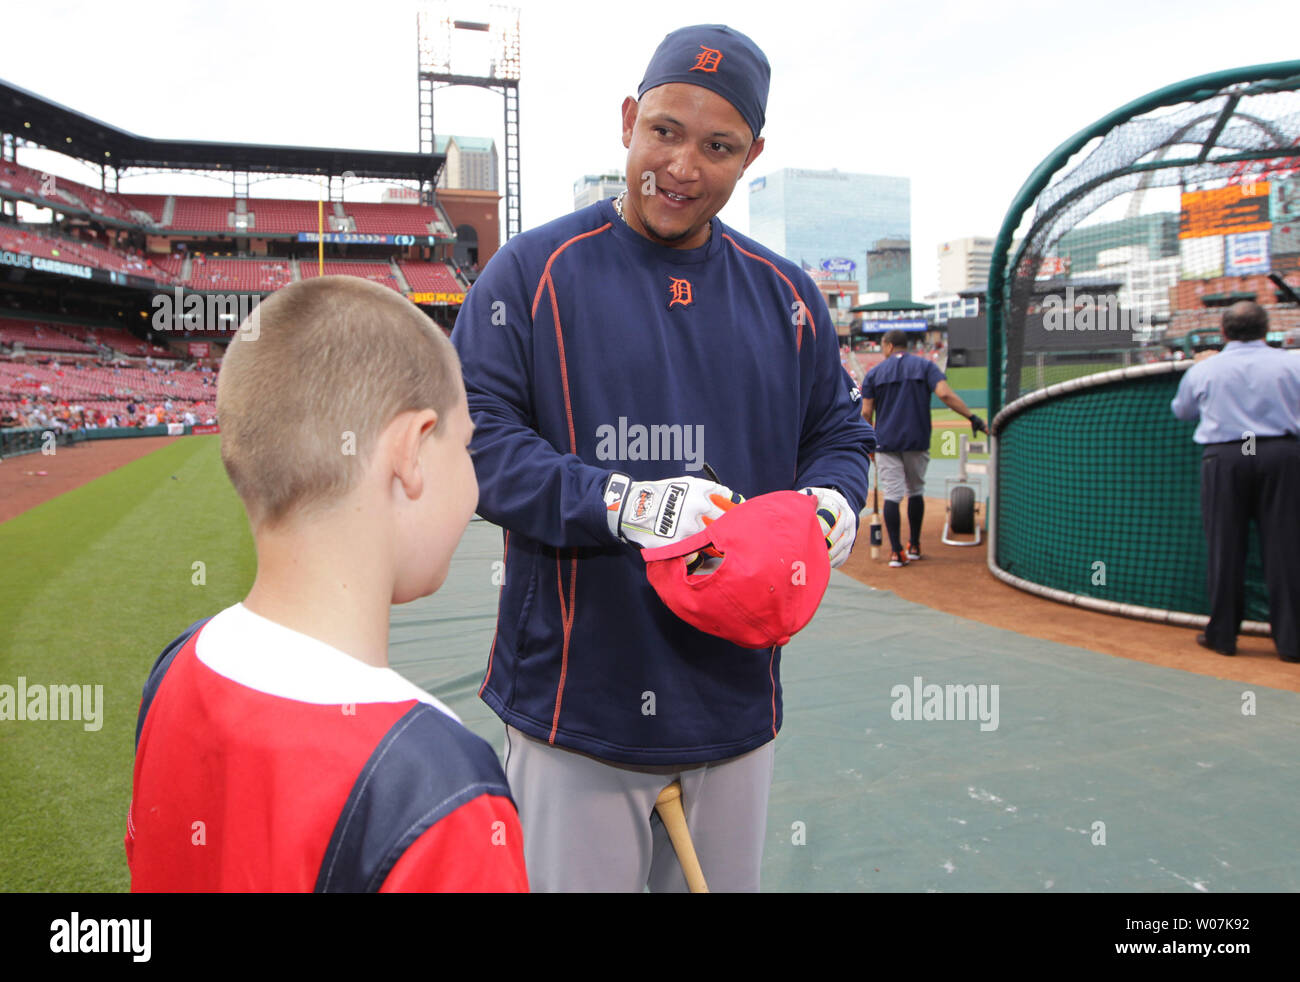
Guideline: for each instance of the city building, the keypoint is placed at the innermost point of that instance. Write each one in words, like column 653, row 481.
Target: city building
column 964, row 264
column 1158, row 233
column 889, row 268
column 1144, row 282
column 838, row 226
column 841, row 297
column 475, row 217
column 949, row 306
column 471, row 163
column 596, row 187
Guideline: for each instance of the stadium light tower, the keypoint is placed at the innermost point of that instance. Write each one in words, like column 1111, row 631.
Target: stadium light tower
column 450, row 53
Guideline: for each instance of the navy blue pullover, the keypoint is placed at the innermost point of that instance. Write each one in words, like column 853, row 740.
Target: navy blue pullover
column 587, row 349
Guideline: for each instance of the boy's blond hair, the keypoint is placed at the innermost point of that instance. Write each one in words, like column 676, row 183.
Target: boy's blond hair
column 318, row 370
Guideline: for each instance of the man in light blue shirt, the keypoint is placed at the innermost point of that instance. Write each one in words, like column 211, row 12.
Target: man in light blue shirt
column 1248, row 401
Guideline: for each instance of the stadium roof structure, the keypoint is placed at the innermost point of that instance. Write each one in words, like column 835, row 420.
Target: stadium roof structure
column 48, row 124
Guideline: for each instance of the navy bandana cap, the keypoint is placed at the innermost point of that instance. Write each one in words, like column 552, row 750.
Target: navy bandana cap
column 717, row 58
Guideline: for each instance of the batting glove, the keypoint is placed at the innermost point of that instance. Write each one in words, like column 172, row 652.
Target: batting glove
column 977, row 425
column 839, row 522
column 659, row 513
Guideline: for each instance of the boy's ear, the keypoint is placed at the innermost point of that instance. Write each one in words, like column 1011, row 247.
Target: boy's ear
column 409, row 432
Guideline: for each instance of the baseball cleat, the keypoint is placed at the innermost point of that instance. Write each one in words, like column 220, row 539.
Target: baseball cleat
column 1204, row 642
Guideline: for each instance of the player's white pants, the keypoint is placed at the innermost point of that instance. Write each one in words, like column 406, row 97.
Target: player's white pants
column 590, row 825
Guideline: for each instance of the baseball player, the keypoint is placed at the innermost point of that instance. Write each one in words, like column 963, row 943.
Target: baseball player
column 609, row 356
column 275, row 749
column 896, row 397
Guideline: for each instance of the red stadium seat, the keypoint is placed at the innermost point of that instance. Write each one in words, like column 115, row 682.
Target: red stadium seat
column 378, row 272
column 392, row 219
column 279, row 217
column 238, row 275
column 431, row 277
column 202, row 214
column 36, row 336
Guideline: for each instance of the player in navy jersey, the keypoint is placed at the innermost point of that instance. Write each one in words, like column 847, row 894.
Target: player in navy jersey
column 609, row 355
column 896, row 397
column 275, row 748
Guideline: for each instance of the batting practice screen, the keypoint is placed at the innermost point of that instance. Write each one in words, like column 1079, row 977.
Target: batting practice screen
column 1110, row 274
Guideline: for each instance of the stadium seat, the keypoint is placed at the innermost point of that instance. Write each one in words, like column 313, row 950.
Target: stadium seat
column 380, row 273
column 431, row 277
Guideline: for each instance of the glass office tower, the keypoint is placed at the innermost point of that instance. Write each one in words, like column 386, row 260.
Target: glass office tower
column 826, row 220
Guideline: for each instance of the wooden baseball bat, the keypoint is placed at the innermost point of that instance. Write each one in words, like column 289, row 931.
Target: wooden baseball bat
column 876, row 537
column 669, row 806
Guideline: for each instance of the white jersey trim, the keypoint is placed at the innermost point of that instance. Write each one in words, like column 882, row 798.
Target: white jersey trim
column 269, row 657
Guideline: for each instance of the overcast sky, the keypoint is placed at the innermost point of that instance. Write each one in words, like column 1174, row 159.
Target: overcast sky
column 963, row 98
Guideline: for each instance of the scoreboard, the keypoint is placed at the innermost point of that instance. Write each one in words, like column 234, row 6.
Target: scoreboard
column 1224, row 211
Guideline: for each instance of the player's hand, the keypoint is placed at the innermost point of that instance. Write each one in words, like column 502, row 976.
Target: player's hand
column 658, row 513
column 977, row 425
column 839, row 522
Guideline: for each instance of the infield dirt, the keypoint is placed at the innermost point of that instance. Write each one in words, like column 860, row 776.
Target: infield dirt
column 956, row 580
column 23, row 486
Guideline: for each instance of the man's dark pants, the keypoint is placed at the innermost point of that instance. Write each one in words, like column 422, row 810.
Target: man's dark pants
column 1265, row 486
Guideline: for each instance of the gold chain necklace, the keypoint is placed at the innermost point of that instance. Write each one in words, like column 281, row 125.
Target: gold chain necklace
column 618, row 207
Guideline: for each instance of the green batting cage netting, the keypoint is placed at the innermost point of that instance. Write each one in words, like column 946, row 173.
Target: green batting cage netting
column 1110, row 273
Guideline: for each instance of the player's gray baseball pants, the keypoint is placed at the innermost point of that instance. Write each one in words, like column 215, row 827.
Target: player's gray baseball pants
column 902, row 474
column 590, row 825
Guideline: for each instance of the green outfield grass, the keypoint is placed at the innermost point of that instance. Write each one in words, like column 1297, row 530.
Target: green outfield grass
column 93, row 585
column 968, row 378
column 945, row 441
column 1052, row 374
column 977, row 378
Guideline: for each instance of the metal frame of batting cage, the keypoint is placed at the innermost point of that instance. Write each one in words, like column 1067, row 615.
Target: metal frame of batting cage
column 1176, row 618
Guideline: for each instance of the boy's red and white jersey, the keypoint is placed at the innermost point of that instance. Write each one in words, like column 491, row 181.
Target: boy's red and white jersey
column 269, row 761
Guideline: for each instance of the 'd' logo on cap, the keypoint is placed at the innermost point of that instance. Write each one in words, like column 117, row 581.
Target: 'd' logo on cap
column 707, row 60
column 679, row 292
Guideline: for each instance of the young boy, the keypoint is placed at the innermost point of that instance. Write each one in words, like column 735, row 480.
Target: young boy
column 275, row 749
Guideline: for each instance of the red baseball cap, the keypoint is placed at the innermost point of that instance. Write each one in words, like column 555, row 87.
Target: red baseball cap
column 774, row 571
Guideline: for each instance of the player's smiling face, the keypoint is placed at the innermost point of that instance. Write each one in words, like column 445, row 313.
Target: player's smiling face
column 697, row 146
